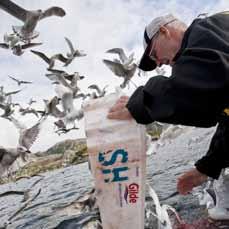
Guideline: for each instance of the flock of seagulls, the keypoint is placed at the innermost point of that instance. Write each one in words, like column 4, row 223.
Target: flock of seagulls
column 27, row 32
column 66, row 85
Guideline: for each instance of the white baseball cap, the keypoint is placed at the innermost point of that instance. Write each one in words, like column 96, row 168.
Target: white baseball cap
column 147, row 64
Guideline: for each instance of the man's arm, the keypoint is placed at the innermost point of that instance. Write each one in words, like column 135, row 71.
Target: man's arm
column 217, row 156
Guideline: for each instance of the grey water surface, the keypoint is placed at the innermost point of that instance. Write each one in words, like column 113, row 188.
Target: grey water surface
column 62, row 187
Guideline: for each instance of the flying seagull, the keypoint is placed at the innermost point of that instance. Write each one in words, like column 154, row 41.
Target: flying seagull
column 28, row 110
column 30, row 18
column 8, row 157
column 51, row 108
column 60, row 79
column 19, row 82
column 18, row 49
column 73, row 53
column 50, row 61
column 27, row 135
column 122, row 56
column 65, row 130
column 100, row 92
column 4, row 95
column 66, row 75
column 31, row 101
column 121, row 71
column 71, row 113
column 7, row 107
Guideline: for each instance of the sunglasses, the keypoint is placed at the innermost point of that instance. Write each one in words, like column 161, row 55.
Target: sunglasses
column 152, row 52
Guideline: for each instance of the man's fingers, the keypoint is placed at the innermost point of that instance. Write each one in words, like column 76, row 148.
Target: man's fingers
column 124, row 98
column 118, row 105
column 122, row 114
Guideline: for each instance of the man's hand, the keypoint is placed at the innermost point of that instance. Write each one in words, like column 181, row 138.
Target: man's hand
column 189, row 180
column 119, row 110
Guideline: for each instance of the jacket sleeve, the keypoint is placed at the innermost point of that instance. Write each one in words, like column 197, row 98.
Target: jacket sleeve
column 217, row 156
column 194, row 95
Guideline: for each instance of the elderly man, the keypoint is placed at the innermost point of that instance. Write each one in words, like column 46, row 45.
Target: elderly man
column 196, row 94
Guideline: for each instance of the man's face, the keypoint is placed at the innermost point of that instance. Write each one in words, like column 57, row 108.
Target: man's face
column 162, row 49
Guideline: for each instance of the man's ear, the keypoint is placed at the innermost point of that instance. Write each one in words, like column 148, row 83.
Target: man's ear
column 164, row 31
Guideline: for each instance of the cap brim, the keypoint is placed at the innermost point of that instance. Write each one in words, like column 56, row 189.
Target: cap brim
column 147, row 64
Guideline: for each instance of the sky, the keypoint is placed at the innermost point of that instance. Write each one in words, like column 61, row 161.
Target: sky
column 93, row 26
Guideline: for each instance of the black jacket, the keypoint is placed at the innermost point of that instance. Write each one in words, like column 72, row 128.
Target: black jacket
column 197, row 91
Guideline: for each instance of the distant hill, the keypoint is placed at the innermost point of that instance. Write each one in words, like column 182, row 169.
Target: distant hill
column 63, row 146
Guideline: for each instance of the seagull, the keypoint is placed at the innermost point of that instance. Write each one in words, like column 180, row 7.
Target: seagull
column 60, row 124
column 122, row 56
column 4, row 95
column 27, row 135
column 7, row 107
column 66, row 75
column 51, row 108
column 31, row 101
column 60, row 79
column 50, row 61
column 82, row 95
column 28, row 110
column 206, row 194
column 100, row 92
column 162, row 212
column 30, row 18
column 19, row 82
column 18, row 49
column 71, row 114
column 8, row 157
column 121, row 71
column 65, row 130
column 73, row 53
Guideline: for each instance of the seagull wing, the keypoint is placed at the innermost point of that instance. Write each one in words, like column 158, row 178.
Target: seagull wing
column 4, row 45
column 55, row 71
column 116, row 68
column 13, row 9
column 29, row 136
column 60, row 57
column 120, row 52
column 53, row 11
column 26, row 82
column 52, row 77
column 13, row 79
column 70, row 45
column 69, row 77
column 12, row 92
column 96, row 87
column 41, row 55
column 58, row 78
column 29, row 45
column 158, row 208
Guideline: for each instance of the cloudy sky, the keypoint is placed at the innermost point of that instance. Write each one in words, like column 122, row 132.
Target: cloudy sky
column 93, row 26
